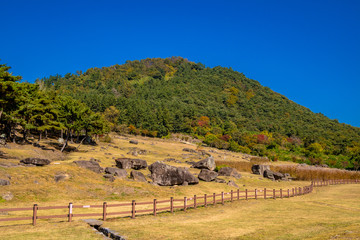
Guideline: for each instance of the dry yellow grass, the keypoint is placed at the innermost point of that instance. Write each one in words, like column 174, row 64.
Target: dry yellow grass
column 49, row 230
column 330, row 213
column 31, row 185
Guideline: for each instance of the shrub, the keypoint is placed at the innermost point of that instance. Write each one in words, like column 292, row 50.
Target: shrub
column 220, row 167
column 107, row 139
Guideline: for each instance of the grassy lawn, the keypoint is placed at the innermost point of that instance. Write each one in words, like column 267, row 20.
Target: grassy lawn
column 329, row 213
column 49, row 230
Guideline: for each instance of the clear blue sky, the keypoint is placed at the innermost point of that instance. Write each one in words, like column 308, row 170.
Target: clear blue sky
column 308, row 51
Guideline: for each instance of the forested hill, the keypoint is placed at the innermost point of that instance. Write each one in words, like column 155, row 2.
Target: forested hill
column 221, row 106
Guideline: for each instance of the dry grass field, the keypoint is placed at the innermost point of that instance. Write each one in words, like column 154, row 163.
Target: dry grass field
column 329, row 213
column 31, row 185
column 320, row 215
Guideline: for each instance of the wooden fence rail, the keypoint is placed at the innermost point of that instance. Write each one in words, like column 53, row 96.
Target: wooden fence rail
column 171, row 204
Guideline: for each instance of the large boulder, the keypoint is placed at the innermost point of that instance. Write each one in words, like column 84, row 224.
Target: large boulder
column 208, row 163
column 128, row 163
column 187, row 176
column 166, row 175
column 91, row 165
column 259, row 169
column 274, row 175
column 228, row 171
column 207, row 175
column 121, row 173
column 138, row 176
column 35, row 161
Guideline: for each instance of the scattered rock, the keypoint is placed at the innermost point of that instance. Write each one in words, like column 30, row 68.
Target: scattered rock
column 185, row 184
column 166, row 175
column 208, row 163
column 61, row 177
column 137, row 176
column 189, row 150
column 232, row 184
column 109, row 177
column 228, row 171
column 207, row 175
column 128, row 163
column 7, row 196
column 91, row 165
column 133, row 142
column 219, row 180
column 137, row 151
column 121, row 173
column 35, row 161
column 259, row 169
column 4, row 182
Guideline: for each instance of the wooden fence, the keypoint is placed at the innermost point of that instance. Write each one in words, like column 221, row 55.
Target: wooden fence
column 134, row 208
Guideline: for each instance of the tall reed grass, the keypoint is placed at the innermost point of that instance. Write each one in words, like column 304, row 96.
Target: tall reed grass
column 299, row 172
column 307, row 173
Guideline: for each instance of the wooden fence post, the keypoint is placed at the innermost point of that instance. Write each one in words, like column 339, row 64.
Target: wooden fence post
column 154, row 207
column 185, row 203
column 246, row 194
column 264, row 193
column 281, row 196
column 35, row 208
column 288, row 193
column 238, row 194
column 171, row 204
column 194, row 201
column 104, row 211
column 274, row 193
column 255, row 194
column 133, row 209
column 222, row 198
column 205, row 200
column 293, row 192
column 214, row 201
column 70, row 212
column 231, row 195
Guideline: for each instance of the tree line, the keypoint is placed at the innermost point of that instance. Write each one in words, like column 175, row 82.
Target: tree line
column 223, row 108
column 26, row 108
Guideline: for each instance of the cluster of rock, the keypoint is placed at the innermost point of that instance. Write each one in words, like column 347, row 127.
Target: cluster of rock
column 166, row 175
column 264, row 170
column 161, row 173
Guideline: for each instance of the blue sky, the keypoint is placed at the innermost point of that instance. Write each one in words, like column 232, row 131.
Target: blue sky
column 308, row 51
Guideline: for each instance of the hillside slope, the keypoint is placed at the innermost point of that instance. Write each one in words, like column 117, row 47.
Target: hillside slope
column 219, row 105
